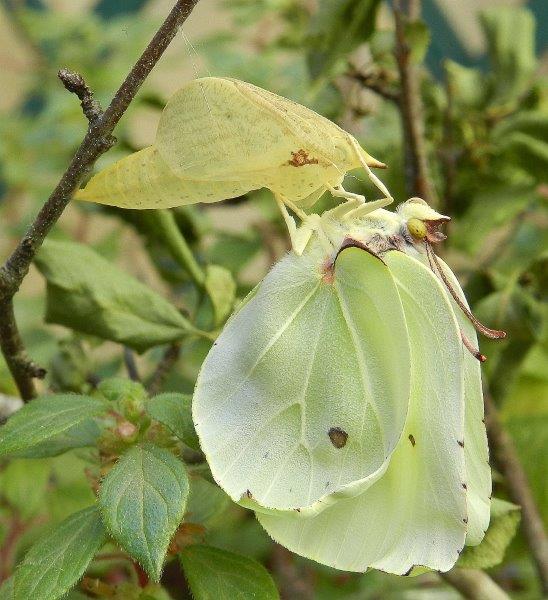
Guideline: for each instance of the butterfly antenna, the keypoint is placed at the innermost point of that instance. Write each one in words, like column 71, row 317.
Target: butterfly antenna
column 494, row 334
column 471, row 348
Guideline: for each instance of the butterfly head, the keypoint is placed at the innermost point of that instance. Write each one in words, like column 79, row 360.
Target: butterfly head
column 421, row 222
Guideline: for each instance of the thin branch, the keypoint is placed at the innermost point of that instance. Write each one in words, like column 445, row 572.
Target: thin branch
column 165, row 365
column 411, row 109
column 75, row 83
column 474, row 584
column 130, row 364
column 375, row 83
column 8, row 549
column 507, row 459
column 293, row 583
column 97, row 140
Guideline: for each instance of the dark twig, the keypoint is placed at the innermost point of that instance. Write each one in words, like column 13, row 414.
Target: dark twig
column 165, row 365
column 507, row 460
column 75, row 83
column 474, row 584
column 416, row 169
column 131, row 366
column 97, row 140
column 23, row 369
column 376, row 84
column 294, row 584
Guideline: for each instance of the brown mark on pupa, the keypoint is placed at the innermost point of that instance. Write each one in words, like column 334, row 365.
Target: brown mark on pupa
column 412, row 440
column 338, row 437
column 461, row 444
column 301, row 158
column 248, row 494
column 464, row 486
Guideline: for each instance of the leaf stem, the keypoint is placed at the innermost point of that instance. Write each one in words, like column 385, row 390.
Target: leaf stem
column 97, row 140
column 179, row 247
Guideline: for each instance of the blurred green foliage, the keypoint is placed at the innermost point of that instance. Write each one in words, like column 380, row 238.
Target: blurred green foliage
column 487, row 140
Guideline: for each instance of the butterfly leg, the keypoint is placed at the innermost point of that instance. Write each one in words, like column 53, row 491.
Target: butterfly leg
column 372, row 177
column 366, row 208
column 300, row 236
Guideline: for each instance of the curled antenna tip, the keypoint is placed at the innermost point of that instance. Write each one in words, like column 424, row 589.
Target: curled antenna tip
column 471, row 348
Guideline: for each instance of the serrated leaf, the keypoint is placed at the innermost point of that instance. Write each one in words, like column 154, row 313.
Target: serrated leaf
column 89, row 294
column 175, row 412
column 505, row 518
column 215, row 574
column 221, row 289
column 59, row 558
column 143, row 500
column 44, row 419
column 83, row 435
column 6, row 589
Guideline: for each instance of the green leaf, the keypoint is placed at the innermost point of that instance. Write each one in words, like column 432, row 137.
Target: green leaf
column 221, row 288
column 510, row 34
column 89, row 294
column 205, row 502
column 44, row 419
column 337, row 27
column 234, row 251
column 514, row 310
column 23, row 483
column 418, row 37
column 529, row 151
column 215, row 574
column 143, row 501
column 6, row 589
column 467, row 85
column 83, row 435
column 59, row 558
column 116, row 389
column 175, row 412
column 505, row 518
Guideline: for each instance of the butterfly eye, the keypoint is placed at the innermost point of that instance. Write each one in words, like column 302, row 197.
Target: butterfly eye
column 417, row 229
